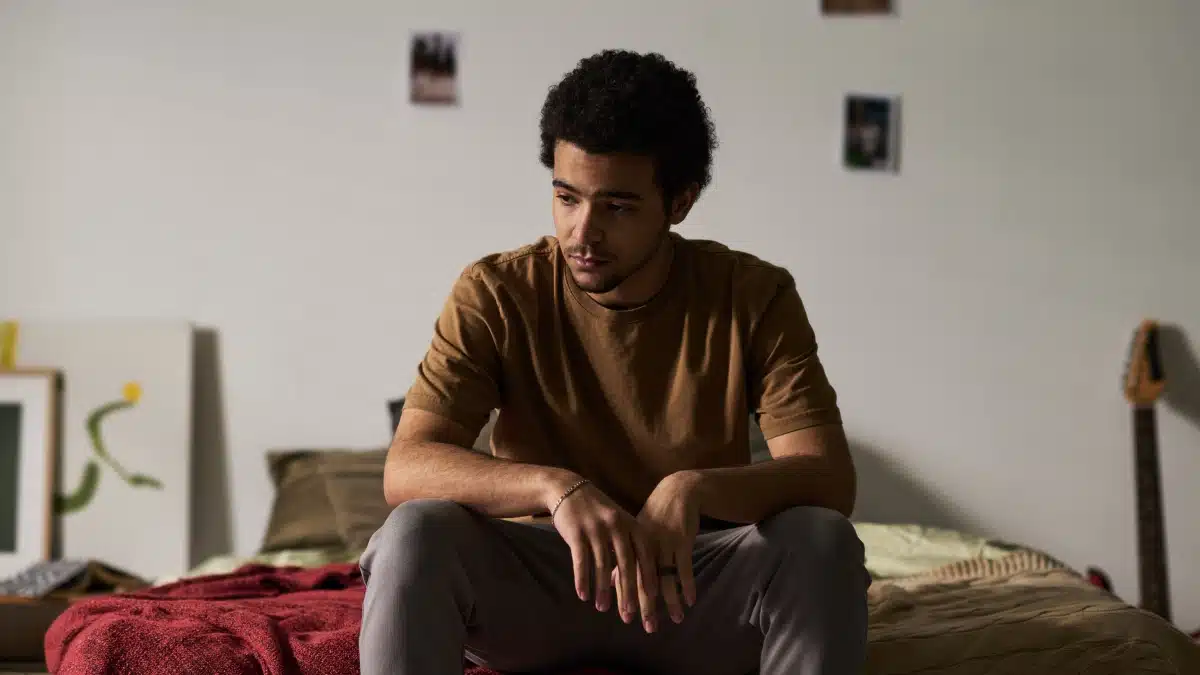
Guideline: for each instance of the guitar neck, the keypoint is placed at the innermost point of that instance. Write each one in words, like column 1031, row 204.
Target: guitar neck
column 1152, row 549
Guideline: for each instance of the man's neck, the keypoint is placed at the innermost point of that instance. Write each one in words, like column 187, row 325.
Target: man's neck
column 644, row 284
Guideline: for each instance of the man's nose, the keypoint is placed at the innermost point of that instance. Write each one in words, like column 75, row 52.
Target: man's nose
column 588, row 230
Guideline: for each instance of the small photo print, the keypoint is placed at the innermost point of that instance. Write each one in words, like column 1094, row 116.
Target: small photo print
column 856, row 6
column 433, row 76
column 872, row 133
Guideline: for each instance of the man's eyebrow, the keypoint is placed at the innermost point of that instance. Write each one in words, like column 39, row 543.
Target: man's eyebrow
column 620, row 194
column 611, row 194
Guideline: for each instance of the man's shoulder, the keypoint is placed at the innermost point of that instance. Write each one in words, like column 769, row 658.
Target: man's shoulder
column 522, row 266
column 743, row 270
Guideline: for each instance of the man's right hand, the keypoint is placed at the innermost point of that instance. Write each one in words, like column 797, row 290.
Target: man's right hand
column 602, row 536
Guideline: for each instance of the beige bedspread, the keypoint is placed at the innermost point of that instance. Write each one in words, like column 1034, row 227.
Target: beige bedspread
column 1024, row 614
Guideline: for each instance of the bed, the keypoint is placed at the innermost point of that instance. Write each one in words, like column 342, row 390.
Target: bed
column 942, row 602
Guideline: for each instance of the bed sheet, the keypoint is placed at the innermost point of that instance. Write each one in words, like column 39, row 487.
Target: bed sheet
column 305, row 558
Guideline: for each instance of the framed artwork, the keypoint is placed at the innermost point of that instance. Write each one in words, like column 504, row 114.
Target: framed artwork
column 856, row 6
column 871, row 139
column 28, row 448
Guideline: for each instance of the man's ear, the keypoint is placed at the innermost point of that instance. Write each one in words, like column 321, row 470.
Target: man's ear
column 682, row 204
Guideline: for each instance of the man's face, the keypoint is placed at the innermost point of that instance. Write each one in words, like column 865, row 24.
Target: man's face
column 608, row 215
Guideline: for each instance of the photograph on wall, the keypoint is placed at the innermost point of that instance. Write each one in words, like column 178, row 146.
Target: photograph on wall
column 856, row 6
column 433, row 68
column 28, row 411
column 871, row 137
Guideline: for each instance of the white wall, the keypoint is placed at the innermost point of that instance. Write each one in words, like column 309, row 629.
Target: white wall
column 254, row 166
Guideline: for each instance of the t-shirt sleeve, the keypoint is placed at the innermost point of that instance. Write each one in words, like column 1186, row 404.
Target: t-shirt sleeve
column 460, row 376
column 788, row 386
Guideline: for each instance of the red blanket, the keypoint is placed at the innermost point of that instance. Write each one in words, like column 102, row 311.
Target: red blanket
column 256, row 620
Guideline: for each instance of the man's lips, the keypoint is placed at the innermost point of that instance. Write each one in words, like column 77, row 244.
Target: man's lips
column 589, row 262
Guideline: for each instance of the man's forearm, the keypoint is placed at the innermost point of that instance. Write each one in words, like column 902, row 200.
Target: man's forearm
column 749, row 494
column 494, row 487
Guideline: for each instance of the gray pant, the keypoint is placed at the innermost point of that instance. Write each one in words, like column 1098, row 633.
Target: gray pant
column 787, row 596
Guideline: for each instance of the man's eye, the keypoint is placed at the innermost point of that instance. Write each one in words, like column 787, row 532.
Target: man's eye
column 620, row 208
column 566, row 199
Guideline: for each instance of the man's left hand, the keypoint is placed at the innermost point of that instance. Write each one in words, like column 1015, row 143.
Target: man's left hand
column 671, row 518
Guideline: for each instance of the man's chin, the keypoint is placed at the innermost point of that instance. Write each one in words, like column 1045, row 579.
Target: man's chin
column 595, row 285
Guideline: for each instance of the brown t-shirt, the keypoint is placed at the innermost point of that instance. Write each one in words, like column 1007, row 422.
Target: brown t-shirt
column 625, row 397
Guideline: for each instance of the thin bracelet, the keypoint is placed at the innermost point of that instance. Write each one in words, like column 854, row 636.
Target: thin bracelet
column 576, row 486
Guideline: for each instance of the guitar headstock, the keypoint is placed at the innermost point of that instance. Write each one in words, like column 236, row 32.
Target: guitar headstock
column 1144, row 379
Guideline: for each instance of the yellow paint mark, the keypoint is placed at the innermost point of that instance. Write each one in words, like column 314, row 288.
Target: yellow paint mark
column 9, row 332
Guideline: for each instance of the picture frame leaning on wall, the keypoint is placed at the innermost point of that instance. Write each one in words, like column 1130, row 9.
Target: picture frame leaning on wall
column 29, row 409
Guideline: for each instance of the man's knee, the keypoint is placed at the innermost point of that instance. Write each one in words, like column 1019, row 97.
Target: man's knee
column 822, row 536
column 424, row 518
column 417, row 532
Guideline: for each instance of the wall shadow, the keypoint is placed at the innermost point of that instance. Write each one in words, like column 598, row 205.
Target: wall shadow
column 211, row 516
column 888, row 493
column 1182, row 369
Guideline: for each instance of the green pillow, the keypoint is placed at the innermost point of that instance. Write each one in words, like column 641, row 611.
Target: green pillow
column 325, row 498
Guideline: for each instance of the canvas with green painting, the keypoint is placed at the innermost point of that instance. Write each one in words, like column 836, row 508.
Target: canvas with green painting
column 82, row 494
column 123, row 493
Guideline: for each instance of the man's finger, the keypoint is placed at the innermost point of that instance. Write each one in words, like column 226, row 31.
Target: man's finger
column 687, row 581
column 581, row 561
column 668, row 579
column 601, row 570
column 647, row 601
column 626, row 576
column 646, row 555
column 647, row 580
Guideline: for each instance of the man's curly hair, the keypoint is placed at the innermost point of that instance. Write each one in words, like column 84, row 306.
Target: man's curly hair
column 622, row 101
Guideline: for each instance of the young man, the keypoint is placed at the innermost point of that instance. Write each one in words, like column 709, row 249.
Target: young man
column 625, row 361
